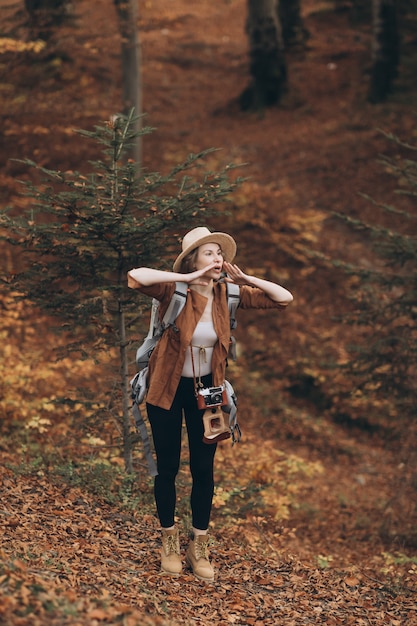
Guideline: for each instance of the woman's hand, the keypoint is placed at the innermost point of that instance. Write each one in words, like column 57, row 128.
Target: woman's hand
column 198, row 277
column 235, row 275
column 274, row 291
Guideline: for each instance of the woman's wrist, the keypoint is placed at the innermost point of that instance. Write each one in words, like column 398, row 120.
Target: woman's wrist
column 251, row 281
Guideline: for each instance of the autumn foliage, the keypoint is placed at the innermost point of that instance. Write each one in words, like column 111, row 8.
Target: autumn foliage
column 314, row 512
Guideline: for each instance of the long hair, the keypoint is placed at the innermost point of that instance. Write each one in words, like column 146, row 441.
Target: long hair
column 188, row 263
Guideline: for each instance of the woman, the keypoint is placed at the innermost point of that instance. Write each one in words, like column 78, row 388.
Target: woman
column 195, row 348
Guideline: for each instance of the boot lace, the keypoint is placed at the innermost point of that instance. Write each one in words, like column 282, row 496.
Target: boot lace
column 171, row 545
column 201, row 549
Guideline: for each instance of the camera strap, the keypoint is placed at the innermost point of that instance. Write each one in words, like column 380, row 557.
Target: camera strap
column 197, row 384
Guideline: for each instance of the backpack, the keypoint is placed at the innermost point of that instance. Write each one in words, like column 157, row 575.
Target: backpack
column 157, row 328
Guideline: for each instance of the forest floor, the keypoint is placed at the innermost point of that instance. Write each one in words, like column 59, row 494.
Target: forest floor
column 312, row 520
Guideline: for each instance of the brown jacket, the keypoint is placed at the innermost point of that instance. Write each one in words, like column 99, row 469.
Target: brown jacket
column 167, row 360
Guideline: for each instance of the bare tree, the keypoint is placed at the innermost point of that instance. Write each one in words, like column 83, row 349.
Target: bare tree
column 289, row 16
column 127, row 13
column 385, row 49
column 46, row 15
column 266, row 52
column 32, row 6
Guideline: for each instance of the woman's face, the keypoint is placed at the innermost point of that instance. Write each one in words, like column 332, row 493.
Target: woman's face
column 210, row 255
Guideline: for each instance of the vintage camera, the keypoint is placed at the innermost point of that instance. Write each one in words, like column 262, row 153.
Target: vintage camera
column 211, row 396
column 215, row 427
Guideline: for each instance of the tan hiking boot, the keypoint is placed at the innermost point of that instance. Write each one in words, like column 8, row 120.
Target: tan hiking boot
column 170, row 552
column 198, row 558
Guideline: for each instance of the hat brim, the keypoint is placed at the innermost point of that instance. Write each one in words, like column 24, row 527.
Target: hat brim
column 226, row 243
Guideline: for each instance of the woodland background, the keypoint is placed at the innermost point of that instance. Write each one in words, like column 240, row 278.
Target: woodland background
column 315, row 511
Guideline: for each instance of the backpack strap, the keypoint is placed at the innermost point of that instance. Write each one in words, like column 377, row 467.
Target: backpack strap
column 143, row 431
column 154, row 323
column 233, row 301
column 176, row 305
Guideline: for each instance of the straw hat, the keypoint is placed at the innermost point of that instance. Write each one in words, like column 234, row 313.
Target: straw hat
column 201, row 235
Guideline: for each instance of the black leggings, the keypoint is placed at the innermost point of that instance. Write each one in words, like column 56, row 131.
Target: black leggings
column 166, row 431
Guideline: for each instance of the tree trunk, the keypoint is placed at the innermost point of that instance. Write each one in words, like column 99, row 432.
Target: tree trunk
column 130, row 64
column 46, row 15
column 385, row 49
column 266, row 52
column 289, row 16
column 48, row 5
column 359, row 12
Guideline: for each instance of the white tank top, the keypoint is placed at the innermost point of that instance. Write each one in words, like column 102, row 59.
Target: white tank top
column 202, row 344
